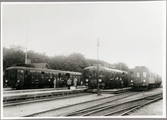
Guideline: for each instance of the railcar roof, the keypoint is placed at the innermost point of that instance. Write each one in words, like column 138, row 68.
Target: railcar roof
column 104, row 68
column 143, row 67
column 41, row 69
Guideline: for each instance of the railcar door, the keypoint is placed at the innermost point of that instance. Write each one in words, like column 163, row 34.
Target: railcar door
column 32, row 78
column 12, row 78
column 20, row 79
column 62, row 81
column 107, row 79
column 42, row 79
column 86, row 77
column 138, row 77
column 131, row 78
column 93, row 80
column 79, row 79
column 125, row 79
column 112, row 81
column 27, row 79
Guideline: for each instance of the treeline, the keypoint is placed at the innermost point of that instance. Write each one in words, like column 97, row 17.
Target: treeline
column 73, row 62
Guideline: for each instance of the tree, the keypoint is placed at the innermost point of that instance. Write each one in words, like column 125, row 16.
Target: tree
column 37, row 57
column 121, row 66
column 13, row 55
column 73, row 62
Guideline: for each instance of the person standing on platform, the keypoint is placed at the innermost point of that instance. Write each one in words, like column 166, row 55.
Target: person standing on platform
column 69, row 83
column 54, row 82
column 75, row 82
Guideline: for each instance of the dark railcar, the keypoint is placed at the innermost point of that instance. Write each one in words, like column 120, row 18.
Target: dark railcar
column 26, row 77
column 142, row 77
column 108, row 78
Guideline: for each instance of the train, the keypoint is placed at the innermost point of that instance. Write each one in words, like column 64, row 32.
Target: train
column 29, row 77
column 139, row 77
column 23, row 77
column 109, row 78
column 142, row 77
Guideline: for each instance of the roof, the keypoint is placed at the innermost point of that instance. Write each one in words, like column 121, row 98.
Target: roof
column 42, row 70
column 104, row 68
column 41, row 65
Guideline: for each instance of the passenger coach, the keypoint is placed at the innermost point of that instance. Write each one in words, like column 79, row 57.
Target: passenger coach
column 21, row 77
column 108, row 78
column 142, row 77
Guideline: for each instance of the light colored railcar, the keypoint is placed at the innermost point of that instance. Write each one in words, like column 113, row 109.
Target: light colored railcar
column 142, row 77
column 108, row 78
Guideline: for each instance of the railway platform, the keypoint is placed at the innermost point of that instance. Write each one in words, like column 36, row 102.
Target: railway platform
column 112, row 91
column 38, row 94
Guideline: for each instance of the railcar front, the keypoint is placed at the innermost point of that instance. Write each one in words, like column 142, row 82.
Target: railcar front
column 14, row 77
column 138, row 77
column 90, row 77
column 142, row 77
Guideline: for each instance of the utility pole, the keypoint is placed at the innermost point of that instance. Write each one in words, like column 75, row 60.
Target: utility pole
column 98, row 90
column 26, row 37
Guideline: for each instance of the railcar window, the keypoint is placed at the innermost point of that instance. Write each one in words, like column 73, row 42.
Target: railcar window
column 101, row 73
column 32, row 74
column 94, row 73
column 42, row 74
column 113, row 74
column 138, row 74
column 110, row 74
column 54, row 75
column 26, row 73
column 131, row 74
column 90, row 72
column 50, row 75
column 20, row 73
column 144, row 74
column 79, row 78
column 6, row 73
column 12, row 73
column 46, row 74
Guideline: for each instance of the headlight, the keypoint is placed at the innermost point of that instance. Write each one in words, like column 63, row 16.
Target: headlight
column 131, row 80
column 18, row 80
column 100, row 80
column 144, row 80
column 6, row 80
column 49, row 79
column 87, row 80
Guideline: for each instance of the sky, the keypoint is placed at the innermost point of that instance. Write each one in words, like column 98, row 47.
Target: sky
column 129, row 32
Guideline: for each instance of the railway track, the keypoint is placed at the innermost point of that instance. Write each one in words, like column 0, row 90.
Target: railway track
column 120, row 108
column 97, row 101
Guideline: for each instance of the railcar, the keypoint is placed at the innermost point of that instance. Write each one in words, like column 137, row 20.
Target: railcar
column 108, row 78
column 20, row 77
column 142, row 77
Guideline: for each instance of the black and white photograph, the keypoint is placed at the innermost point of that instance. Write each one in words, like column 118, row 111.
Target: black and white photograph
column 91, row 59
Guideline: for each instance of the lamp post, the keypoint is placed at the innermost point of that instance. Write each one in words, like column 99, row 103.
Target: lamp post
column 98, row 90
